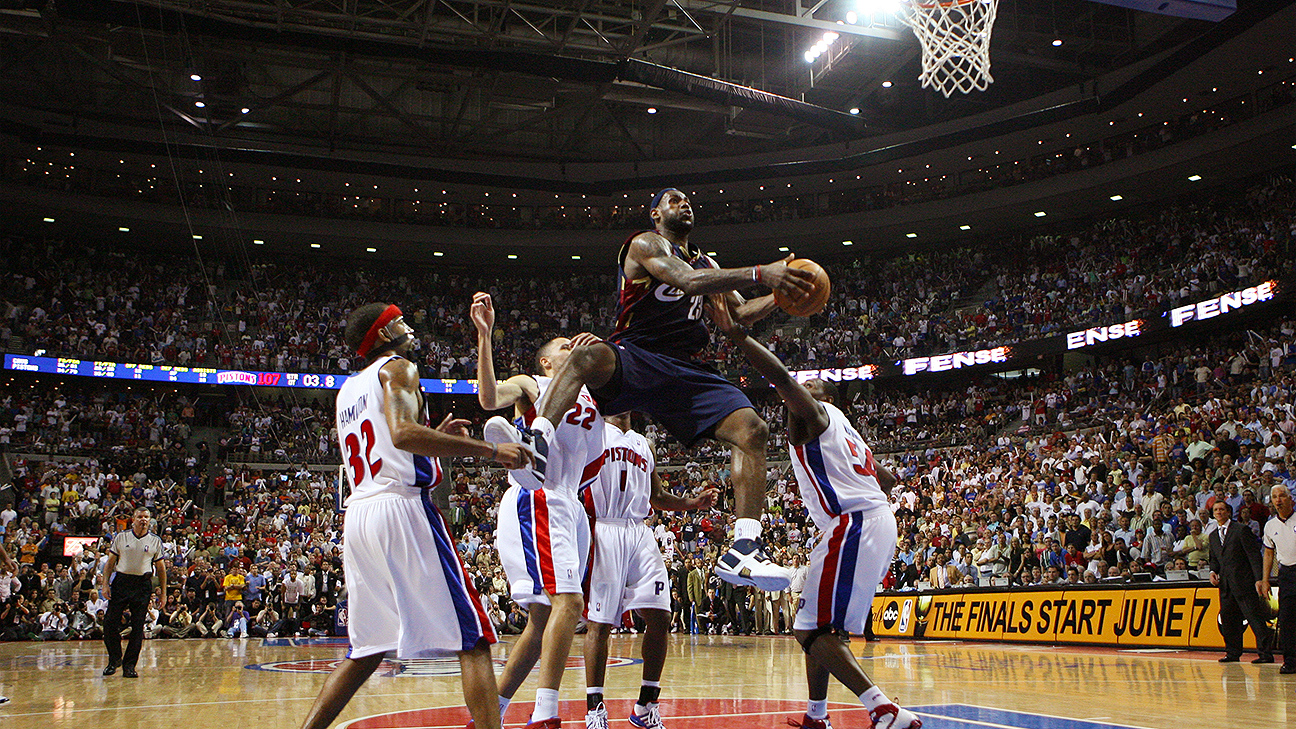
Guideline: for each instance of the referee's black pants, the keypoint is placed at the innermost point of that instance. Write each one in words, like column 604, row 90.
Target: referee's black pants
column 128, row 592
column 1287, row 613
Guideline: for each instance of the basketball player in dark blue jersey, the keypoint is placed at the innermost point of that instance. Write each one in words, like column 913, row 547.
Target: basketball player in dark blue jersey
column 650, row 364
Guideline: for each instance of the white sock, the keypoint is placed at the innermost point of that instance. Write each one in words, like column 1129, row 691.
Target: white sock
column 593, row 689
column 747, row 529
column 546, row 704
column 873, row 698
column 504, row 704
column 542, row 424
column 817, row 709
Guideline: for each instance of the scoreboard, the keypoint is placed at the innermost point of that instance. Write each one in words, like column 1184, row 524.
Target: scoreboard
column 206, row 375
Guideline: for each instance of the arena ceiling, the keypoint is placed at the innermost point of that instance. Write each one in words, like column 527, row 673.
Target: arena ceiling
column 549, row 81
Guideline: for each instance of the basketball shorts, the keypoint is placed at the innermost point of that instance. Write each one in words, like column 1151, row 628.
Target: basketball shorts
column 543, row 540
column 408, row 590
column 686, row 398
column 626, row 571
column 845, row 568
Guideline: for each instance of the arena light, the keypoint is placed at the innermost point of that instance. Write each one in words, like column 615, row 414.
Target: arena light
column 197, row 237
column 1057, row 42
column 49, row 220
column 576, row 258
column 1194, row 178
column 195, row 77
column 854, row 110
column 244, row 110
column 783, row 249
column 965, row 227
column 258, row 242
column 124, row 230
column 315, row 245
column 1040, row 214
column 886, row 84
column 200, row 104
column 372, row 250
column 652, row 110
column 438, row 254
column 512, row 256
column 911, row 235
column 1116, row 198
column 848, row 242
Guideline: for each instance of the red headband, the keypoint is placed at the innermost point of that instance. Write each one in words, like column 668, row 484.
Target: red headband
column 371, row 336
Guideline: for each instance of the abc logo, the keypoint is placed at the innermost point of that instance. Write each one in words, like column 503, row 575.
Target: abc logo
column 891, row 614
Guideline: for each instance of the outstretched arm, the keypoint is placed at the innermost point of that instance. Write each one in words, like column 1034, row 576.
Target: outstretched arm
column 653, row 253
column 663, row 500
column 400, row 382
column 801, row 405
column 492, row 395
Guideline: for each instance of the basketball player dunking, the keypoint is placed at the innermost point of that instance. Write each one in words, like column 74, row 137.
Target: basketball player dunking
column 649, row 364
column 845, row 491
column 627, row 571
column 409, row 592
column 542, row 534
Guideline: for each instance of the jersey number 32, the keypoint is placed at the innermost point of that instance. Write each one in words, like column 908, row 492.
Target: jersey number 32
column 359, row 466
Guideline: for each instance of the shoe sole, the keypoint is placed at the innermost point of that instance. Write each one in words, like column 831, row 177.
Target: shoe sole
column 499, row 430
column 768, row 584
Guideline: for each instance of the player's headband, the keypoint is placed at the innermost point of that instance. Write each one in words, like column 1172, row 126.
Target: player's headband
column 389, row 314
column 658, row 198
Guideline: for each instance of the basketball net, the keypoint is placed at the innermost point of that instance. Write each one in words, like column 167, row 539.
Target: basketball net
column 955, row 38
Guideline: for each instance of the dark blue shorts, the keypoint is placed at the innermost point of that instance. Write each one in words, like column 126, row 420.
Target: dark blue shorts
column 686, row 398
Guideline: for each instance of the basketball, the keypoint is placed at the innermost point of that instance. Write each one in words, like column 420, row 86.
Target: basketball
column 814, row 302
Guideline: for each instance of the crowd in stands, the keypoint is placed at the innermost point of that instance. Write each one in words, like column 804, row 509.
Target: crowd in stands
column 70, row 300
column 1104, row 471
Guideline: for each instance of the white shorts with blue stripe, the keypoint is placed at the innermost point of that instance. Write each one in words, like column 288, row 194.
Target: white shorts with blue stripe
column 845, row 568
column 543, row 539
column 407, row 589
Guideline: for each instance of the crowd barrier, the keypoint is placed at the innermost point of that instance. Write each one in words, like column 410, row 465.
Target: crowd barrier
column 1157, row 615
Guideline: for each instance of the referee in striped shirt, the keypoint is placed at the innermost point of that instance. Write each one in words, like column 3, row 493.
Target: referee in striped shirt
column 127, row 582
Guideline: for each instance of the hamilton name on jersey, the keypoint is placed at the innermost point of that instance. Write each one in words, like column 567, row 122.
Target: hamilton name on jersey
column 348, row 415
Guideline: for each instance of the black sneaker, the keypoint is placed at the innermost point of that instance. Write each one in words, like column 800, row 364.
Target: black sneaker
column 129, row 673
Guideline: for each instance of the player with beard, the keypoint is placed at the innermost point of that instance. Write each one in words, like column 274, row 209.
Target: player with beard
column 408, row 589
column 651, row 364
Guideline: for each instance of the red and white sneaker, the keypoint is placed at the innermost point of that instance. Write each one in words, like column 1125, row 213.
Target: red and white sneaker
column 890, row 716
column 808, row 723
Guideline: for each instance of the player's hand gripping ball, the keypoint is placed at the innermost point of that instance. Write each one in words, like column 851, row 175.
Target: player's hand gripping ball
column 811, row 303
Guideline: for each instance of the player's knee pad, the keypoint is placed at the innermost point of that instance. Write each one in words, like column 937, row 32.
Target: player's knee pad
column 815, row 634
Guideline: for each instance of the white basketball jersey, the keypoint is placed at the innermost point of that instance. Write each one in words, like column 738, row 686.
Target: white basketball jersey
column 374, row 465
column 624, row 484
column 836, row 472
column 577, row 449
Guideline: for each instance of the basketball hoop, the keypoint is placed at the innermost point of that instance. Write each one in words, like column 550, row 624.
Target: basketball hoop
column 955, row 38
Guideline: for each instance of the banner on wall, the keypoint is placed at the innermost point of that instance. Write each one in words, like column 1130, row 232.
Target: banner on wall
column 1159, row 616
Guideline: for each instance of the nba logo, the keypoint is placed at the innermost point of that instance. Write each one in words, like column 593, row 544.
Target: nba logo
column 905, row 612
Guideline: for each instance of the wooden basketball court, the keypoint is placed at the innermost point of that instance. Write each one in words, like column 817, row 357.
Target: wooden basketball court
column 711, row 681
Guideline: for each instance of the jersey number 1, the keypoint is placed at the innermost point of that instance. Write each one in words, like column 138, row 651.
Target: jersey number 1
column 360, row 465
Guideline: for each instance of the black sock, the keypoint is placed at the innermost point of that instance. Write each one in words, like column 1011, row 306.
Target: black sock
column 648, row 695
column 592, row 701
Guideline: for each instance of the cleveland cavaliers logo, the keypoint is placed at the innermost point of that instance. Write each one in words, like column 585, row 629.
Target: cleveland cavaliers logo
column 668, row 293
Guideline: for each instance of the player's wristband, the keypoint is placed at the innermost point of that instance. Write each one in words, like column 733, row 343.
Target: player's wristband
column 756, row 274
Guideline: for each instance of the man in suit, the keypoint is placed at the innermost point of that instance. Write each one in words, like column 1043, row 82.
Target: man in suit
column 1238, row 571
column 944, row 574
